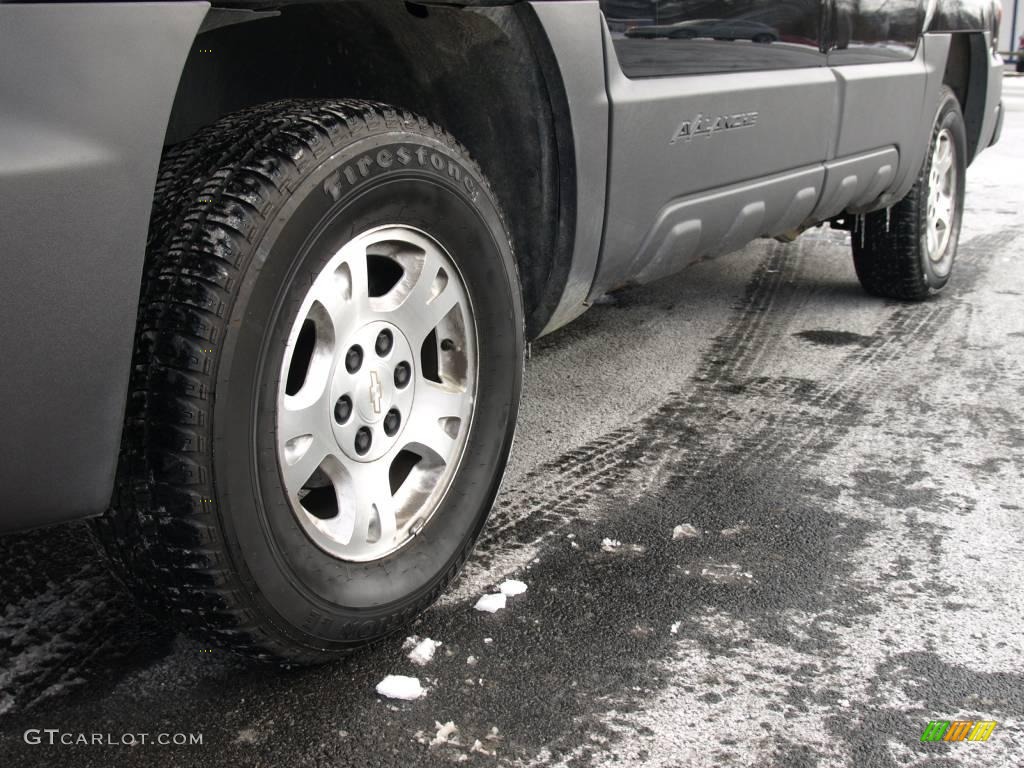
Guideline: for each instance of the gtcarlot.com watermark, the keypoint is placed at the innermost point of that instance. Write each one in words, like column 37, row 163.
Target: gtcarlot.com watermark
column 57, row 737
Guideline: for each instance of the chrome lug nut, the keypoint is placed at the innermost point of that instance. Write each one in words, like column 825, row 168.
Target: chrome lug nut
column 384, row 342
column 354, row 358
column 402, row 375
column 343, row 409
column 364, row 439
column 391, row 422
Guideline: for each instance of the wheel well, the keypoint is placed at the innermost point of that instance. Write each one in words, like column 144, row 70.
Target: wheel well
column 967, row 75
column 487, row 76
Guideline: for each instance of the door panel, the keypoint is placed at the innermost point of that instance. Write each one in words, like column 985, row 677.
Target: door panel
column 750, row 145
column 655, row 38
column 883, row 77
column 881, row 105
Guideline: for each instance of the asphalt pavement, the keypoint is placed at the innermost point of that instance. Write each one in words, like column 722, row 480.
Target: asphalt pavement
column 763, row 520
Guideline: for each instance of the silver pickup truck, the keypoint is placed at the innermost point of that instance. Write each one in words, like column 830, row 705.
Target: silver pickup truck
column 269, row 267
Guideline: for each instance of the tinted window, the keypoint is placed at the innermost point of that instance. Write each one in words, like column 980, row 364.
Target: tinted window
column 868, row 31
column 676, row 37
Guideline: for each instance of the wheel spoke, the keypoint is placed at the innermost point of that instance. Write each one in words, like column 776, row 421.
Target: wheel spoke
column 344, row 290
column 429, row 434
column 441, row 400
column 431, row 266
column 301, row 460
column 440, row 413
column 942, row 214
column 303, row 435
column 943, row 157
column 301, row 417
column 438, row 309
column 367, row 511
column 430, row 299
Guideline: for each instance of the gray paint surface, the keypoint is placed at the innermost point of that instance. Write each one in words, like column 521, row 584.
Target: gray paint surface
column 85, row 90
column 667, row 185
column 858, row 458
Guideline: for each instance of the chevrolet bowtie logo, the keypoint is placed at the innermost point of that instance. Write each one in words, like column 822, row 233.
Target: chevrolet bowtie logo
column 376, row 393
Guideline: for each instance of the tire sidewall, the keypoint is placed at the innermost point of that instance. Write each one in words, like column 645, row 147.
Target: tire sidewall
column 393, row 178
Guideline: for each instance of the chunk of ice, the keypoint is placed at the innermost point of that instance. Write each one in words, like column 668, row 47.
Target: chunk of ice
column 684, row 531
column 491, row 603
column 401, row 687
column 447, row 733
column 512, row 587
column 423, row 652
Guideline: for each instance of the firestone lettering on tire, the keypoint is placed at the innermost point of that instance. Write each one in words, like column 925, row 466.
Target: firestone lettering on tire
column 393, row 158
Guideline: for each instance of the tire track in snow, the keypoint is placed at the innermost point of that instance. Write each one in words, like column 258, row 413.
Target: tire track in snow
column 563, row 490
column 554, row 495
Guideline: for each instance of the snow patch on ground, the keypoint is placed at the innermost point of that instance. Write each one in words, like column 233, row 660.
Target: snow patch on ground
column 512, row 587
column 615, row 546
column 725, row 573
column 736, row 530
column 491, row 603
column 479, row 747
column 684, row 531
column 401, row 687
column 447, row 733
column 423, row 652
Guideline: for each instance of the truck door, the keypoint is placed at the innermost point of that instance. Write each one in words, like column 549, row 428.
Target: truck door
column 722, row 113
column 882, row 74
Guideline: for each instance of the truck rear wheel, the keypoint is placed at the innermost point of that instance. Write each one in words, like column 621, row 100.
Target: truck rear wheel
column 326, row 378
column 908, row 251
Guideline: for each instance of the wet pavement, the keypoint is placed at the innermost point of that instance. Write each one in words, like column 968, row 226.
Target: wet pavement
column 845, row 480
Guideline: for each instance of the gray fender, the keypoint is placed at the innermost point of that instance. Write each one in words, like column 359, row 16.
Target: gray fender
column 85, row 94
column 576, row 32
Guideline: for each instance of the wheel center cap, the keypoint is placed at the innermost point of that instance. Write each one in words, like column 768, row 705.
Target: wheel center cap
column 365, row 375
column 375, row 399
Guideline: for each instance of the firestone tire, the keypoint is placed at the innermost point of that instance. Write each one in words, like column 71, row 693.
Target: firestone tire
column 902, row 253
column 247, row 219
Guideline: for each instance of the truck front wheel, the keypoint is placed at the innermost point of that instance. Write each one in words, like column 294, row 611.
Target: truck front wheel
column 326, row 378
